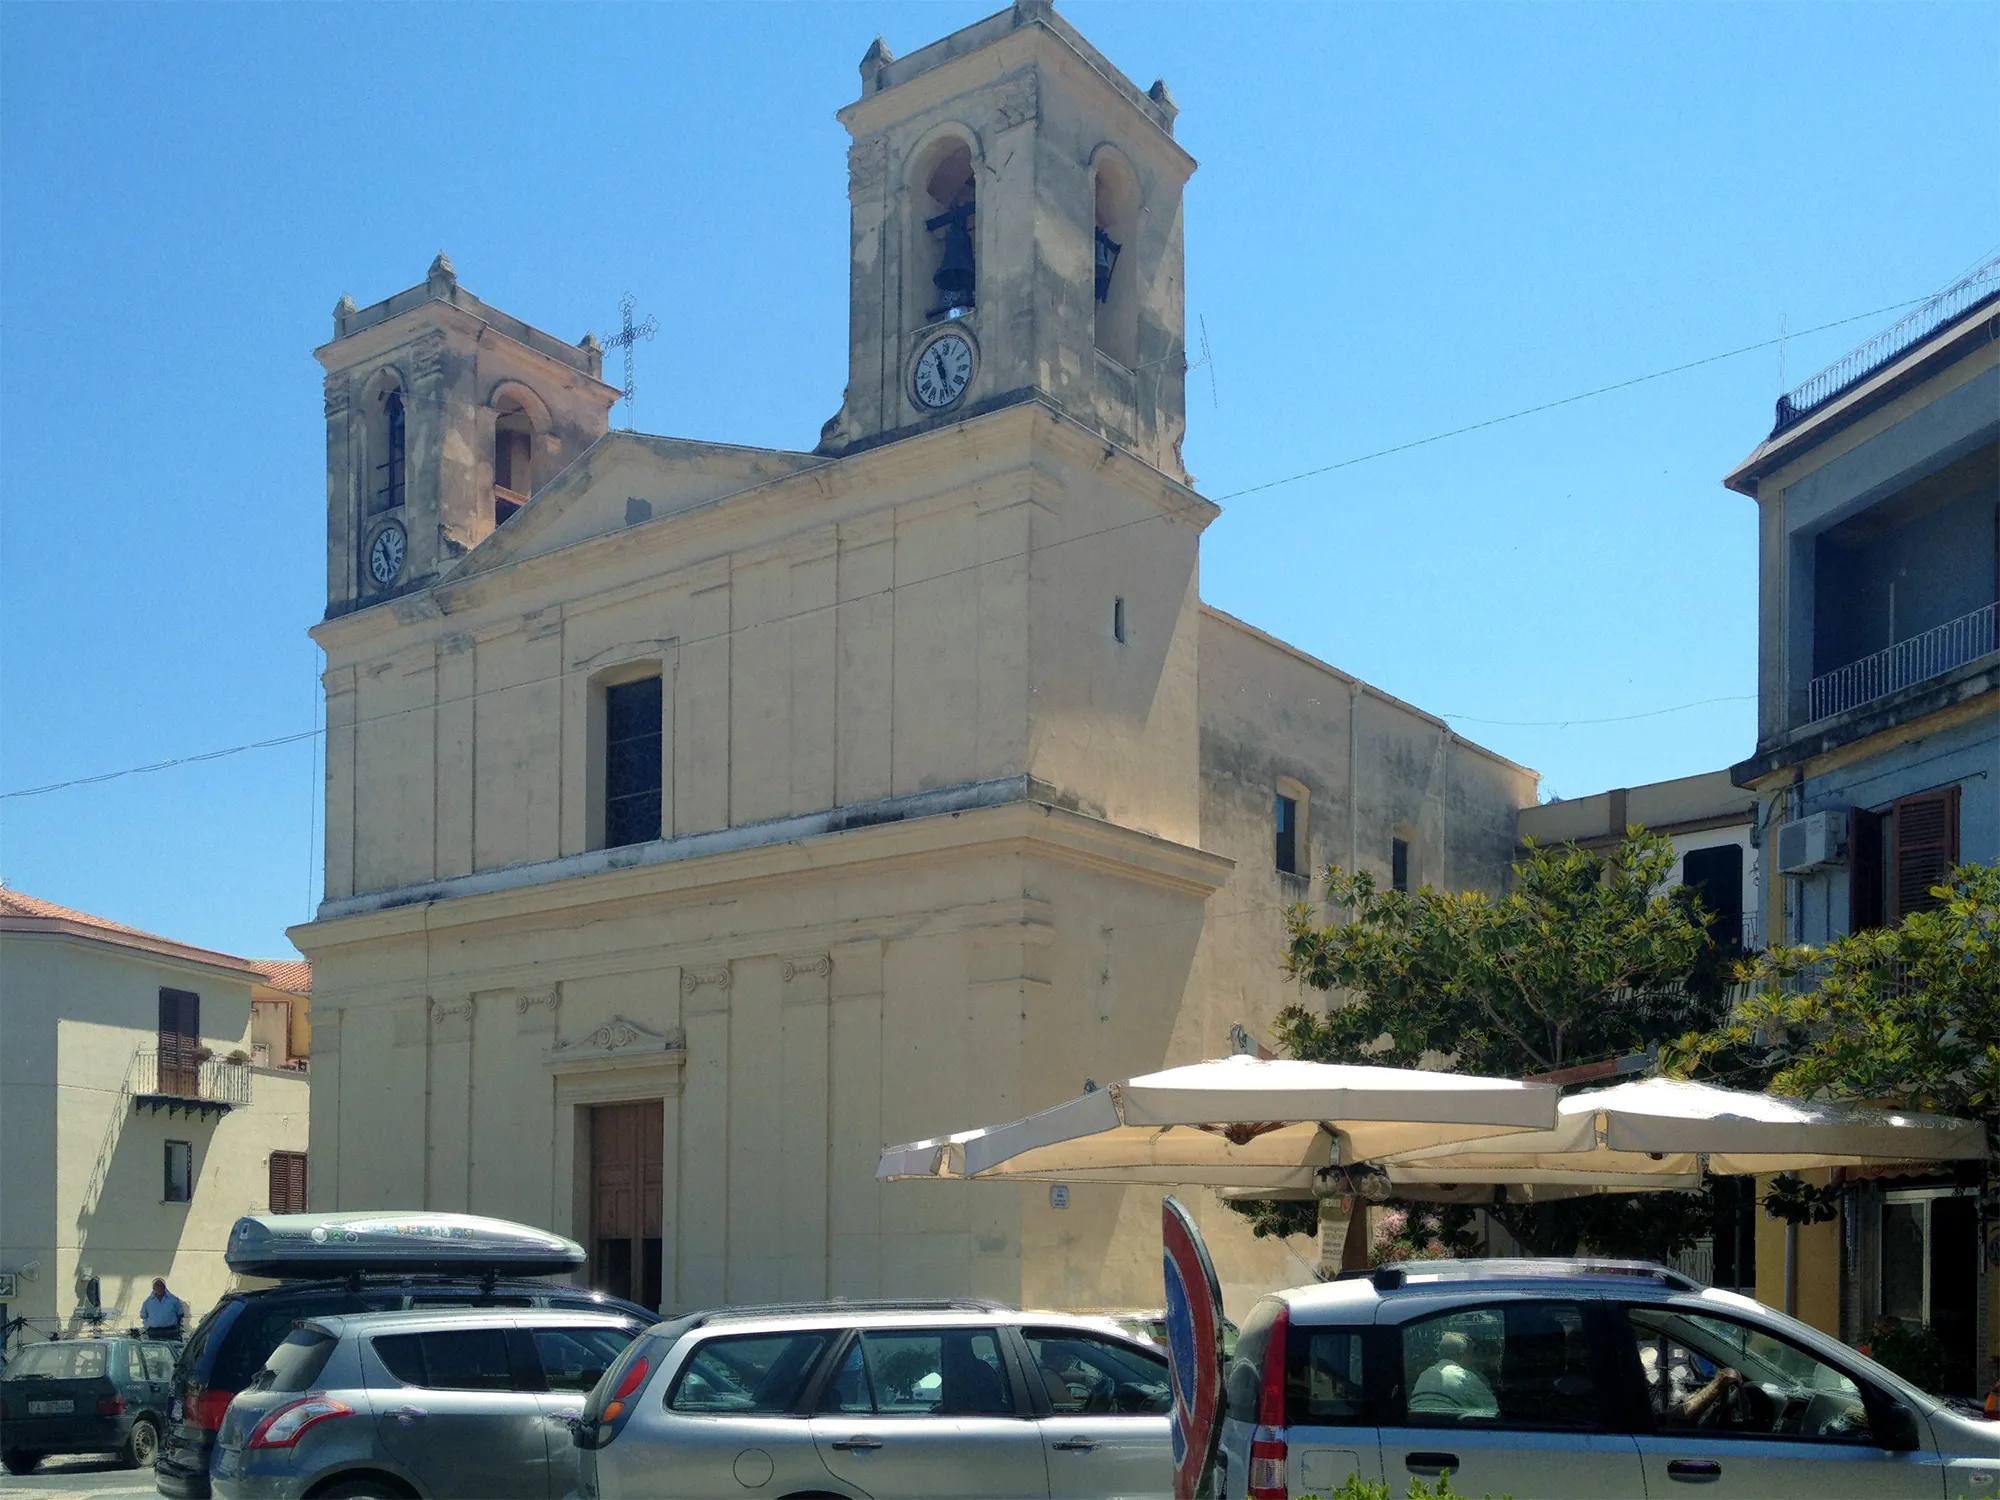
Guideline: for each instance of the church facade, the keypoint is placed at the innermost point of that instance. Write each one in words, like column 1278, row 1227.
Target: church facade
column 702, row 818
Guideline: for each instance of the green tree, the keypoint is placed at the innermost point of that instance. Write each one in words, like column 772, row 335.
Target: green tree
column 1583, row 958
column 1906, row 1015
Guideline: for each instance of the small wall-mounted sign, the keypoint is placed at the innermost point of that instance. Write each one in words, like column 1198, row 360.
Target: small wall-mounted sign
column 9, row 1286
column 1058, row 1195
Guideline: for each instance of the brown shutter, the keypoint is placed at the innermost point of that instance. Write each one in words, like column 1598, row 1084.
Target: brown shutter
column 1926, row 838
column 288, row 1182
column 1864, row 870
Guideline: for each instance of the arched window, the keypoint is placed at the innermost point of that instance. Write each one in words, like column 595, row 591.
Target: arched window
column 1117, row 224
column 391, row 447
column 949, row 225
column 513, row 462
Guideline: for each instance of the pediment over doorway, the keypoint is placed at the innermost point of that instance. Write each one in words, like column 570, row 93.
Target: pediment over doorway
column 618, row 1043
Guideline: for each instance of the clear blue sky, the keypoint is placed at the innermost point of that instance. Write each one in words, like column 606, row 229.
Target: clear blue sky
column 1408, row 218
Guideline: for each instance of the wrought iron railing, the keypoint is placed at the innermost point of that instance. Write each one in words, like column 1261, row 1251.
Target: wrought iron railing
column 1918, row 659
column 1858, row 364
column 199, row 1080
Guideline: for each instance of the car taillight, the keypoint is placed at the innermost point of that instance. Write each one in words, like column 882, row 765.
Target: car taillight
column 112, row 1406
column 288, row 1423
column 1267, row 1444
column 206, row 1408
column 634, row 1378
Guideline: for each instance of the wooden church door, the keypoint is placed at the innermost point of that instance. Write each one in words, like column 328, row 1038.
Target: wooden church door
column 626, row 1212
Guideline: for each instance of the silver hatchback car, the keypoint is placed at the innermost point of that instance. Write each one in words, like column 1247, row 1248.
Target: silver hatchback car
column 449, row 1405
column 879, row 1401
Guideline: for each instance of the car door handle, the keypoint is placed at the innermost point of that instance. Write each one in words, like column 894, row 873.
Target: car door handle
column 1430, row 1464
column 856, row 1444
column 570, row 1419
column 1076, row 1445
column 1694, row 1470
column 409, row 1414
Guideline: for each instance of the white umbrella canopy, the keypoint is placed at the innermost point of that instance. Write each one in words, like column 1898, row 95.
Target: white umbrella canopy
column 1663, row 1127
column 1242, row 1122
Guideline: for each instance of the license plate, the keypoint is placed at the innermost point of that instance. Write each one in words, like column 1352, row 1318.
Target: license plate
column 50, row 1408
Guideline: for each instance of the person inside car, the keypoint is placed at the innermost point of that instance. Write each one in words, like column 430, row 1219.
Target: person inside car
column 1450, row 1387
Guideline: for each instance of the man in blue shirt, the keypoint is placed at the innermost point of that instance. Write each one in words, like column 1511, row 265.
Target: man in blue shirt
column 162, row 1313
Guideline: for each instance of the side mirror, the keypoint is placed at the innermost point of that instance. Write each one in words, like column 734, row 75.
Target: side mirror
column 1894, row 1425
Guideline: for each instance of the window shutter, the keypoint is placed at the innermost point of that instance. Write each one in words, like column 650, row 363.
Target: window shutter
column 288, row 1182
column 1926, row 840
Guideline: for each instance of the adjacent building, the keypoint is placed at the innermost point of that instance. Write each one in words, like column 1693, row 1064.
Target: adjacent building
column 702, row 818
column 1877, row 767
column 151, row 1092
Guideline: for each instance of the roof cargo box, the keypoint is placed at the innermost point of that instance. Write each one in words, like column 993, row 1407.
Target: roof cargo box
column 294, row 1246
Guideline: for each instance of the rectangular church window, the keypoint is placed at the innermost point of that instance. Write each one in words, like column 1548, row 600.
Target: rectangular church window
column 1286, row 816
column 633, row 746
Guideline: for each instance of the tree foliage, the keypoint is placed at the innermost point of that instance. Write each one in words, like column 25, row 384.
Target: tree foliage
column 1584, row 958
column 1907, row 1015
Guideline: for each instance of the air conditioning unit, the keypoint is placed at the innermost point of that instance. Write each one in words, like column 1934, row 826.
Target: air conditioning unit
column 1812, row 843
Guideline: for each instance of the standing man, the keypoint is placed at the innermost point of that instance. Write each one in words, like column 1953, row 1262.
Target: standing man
column 162, row 1313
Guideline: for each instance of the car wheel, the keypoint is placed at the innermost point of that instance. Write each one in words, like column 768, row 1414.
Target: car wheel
column 142, row 1445
column 20, row 1461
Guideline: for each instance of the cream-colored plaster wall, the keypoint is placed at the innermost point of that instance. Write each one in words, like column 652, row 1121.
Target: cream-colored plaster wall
column 820, row 999
column 905, row 619
column 84, row 1168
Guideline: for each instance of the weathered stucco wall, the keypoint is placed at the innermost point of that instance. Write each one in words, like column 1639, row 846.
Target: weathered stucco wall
column 82, row 1178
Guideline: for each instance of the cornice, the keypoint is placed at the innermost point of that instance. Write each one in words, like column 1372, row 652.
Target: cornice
column 778, row 855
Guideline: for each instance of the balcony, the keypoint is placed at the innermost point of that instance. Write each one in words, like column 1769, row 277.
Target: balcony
column 182, row 1081
column 1971, row 292
column 1902, row 665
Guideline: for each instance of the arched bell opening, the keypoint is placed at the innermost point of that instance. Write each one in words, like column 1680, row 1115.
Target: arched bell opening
column 1115, row 266
column 948, row 205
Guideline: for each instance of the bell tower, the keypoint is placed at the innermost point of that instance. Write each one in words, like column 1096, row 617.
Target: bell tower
column 443, row 417
column 1016, row 235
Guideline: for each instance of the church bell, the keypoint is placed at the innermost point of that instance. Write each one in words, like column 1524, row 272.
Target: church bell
column 1107, row 262
column 954, row 276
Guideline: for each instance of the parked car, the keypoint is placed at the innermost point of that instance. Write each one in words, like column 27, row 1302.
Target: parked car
column 444, row 1405
column 87, row 1395
column 1151, row 1324
column 1605, row 1380
column 360, row 1263
column 937, row 1400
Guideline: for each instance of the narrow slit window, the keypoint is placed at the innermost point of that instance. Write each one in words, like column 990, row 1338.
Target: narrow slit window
column 1286, row 818
column 389, row 493
column 633, row 745
column 179, row 1186
column 1118, row 621
column 1399, row 864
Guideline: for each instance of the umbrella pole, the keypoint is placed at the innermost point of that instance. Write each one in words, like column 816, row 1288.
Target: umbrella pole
column 1791, row 1270
column 1354, row 1249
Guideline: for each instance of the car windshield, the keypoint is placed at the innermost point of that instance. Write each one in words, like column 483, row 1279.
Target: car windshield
column 72, row 1359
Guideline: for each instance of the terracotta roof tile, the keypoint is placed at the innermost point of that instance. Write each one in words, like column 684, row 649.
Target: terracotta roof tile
column 293, row 975
column 20, row 912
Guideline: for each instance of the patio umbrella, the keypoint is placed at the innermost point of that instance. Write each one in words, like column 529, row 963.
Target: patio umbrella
column 1235, row 1122
column 1664, row 1127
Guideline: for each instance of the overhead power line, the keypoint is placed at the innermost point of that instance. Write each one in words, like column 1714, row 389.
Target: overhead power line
column 1168, row 514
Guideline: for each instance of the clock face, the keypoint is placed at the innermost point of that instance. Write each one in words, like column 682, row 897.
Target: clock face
column 385, row 557
column 943, row 370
